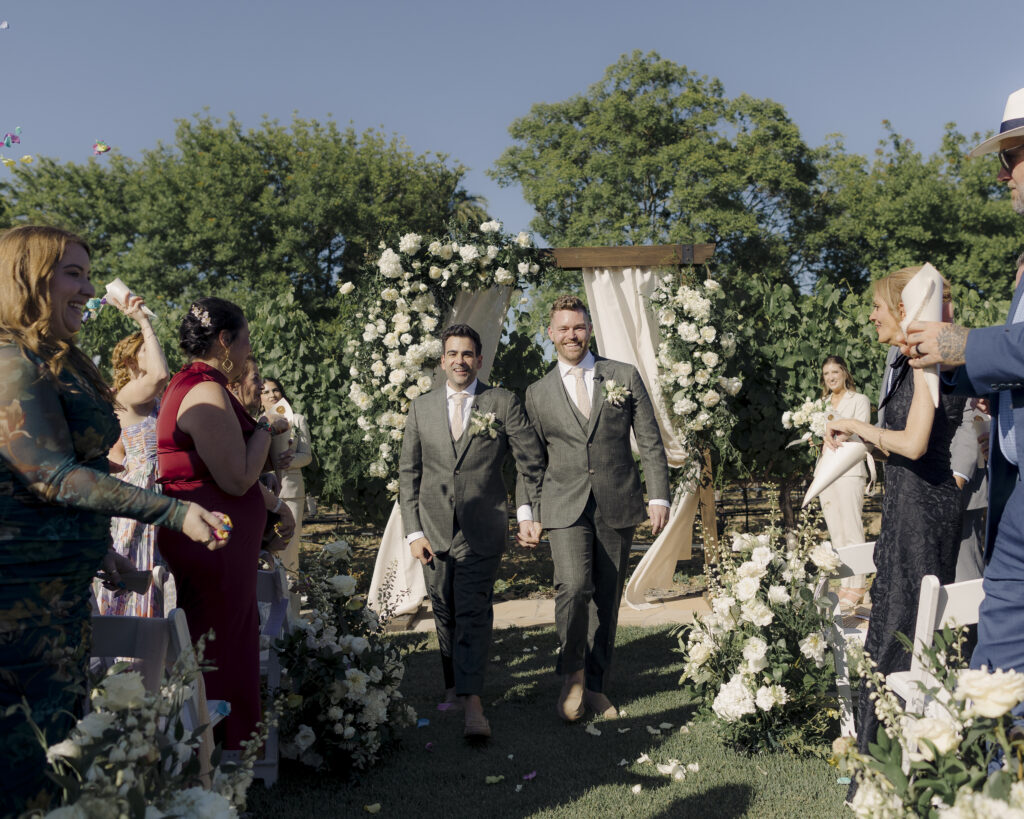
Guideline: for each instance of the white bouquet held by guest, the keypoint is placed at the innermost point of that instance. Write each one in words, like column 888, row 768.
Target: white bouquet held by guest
column 814, row 413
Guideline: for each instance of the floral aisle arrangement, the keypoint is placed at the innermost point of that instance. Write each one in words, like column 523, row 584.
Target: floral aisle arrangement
column 411, row 288
column 342, row 705
column 937, row 764
column 759, row 662
column 131, row 756
column 693, row 360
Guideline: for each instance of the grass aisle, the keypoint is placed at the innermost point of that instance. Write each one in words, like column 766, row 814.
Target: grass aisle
column 577, row 774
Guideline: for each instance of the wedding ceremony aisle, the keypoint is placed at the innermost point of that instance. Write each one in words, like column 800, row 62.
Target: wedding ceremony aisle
column 535, row 766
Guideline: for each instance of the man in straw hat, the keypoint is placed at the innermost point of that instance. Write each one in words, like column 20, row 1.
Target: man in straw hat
column 989, row 361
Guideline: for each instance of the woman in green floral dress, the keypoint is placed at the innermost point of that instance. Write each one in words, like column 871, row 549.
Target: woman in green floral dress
column 56, row 425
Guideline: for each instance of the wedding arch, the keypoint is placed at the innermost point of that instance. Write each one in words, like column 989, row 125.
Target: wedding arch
column 646, row 311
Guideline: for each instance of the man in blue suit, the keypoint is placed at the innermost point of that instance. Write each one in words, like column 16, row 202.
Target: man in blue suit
column 989, row 362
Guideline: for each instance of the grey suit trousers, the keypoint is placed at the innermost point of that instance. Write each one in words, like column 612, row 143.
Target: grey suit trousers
column 590, row 560
column 460, row 584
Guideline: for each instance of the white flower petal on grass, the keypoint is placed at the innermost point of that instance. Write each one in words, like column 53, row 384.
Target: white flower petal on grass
column 693, row 767
column 623, row 730
column 593, row 730
column 637, row 788
column 642, row 759
column 653, row 731
column 665, row 725
column 684, row 729
column 623, row 762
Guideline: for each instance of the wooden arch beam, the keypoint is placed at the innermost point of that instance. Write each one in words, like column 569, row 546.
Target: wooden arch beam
column 574, row 258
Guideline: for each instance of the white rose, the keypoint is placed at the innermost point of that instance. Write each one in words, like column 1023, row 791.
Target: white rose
column 768, row 696
column 762, row 556
column 338, row 550
column 428, row 323
column 712, row 286
column 756, row 612
column 755, row 652
column 435, row 272
column 346, row 288
column 343, row 585
column 746, row 588
column 778, row 595
column 709, row 358
column 700, row 652
column 398, row 376
column 825, row 557
column 389, row 294
column 304, row 737
column 469, row 253
column 502, row 276
column 359, row 645
column 711, row 398
column 412, row 392
column 734, row 700
column 707, row 334
column 390, row 264
column 409, row 243
column 523, row 239
column 813, row 648
column 702, row 377
column 121, row 691
column 688, row 332
column 991, row 694
column 492, row 226
column 751, row 569
column 943, row 733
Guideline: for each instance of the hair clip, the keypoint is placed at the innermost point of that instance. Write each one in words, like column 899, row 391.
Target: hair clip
column 200, row 315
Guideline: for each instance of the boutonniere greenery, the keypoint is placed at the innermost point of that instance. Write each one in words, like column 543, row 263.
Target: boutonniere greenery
column 484, row 424
column 615, row 394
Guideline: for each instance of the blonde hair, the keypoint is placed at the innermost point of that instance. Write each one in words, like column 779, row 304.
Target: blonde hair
column 126, row 354
column 890, row 288
column 28, row 260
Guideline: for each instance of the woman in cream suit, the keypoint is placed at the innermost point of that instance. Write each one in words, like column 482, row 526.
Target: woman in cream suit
column 842, row 503
column 293, row 488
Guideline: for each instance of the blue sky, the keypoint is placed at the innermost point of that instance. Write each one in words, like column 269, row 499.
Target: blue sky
column 450, row 75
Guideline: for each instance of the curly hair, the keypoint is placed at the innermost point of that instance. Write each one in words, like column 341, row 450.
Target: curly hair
column 126, row 354
column 569, row 302
column 29, row 255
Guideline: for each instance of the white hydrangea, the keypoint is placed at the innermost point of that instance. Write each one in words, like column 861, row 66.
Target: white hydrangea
column 410, row 243
column 469, row 253
column 390, row 264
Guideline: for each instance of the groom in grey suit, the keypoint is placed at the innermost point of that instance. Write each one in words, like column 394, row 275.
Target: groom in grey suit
column 591, row 497
column 454, row 507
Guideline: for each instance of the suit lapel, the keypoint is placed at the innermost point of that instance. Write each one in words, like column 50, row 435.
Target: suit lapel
column 480, row 403
column 1017, row 294
column 596, row 395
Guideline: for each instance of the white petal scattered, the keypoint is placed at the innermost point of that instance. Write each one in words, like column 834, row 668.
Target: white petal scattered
column 685, row 729
column 622, row 712
column 653, row 731
column 667, row 769
column 665, row 725
column 623, row 730
column 693, row 767
column 495, row 659
column 679, row 776
column 623, row 762
column 593, row 730
column 511, row 755
column 643, row 758
column 519, row 788
column 637, row 788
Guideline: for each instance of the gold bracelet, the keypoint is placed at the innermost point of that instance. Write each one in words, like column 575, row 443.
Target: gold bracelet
column 881, row 446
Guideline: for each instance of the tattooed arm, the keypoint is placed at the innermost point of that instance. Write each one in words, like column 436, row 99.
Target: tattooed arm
column 935, row 342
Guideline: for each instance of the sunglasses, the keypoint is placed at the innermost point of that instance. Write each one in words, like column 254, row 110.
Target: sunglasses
column 1011, row 157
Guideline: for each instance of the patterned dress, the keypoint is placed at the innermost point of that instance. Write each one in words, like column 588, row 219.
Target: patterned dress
column 133, row 539
column 56, row 500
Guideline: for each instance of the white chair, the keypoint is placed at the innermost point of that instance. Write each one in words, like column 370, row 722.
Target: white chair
column 154, row 645
column 956, row 604
column 272, row 589
column 858, row 559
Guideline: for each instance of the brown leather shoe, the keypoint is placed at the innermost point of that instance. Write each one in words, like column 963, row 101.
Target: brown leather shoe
column 600, row 704
column 477, row 727
column 570, row 701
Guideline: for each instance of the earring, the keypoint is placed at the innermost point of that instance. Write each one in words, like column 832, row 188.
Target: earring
column 227, row 365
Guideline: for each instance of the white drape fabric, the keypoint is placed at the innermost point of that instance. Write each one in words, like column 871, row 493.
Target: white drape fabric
column 485, row 312
column 626, row 329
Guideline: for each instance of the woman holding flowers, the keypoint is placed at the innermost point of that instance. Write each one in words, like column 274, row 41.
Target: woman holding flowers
column 842, row 503
column 210, row 450
column 57, row 425
column 920, row 530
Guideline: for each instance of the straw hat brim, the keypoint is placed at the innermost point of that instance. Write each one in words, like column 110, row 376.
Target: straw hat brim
column 994, row 143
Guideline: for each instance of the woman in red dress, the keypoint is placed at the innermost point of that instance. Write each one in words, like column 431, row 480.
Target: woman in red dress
column 210, row 451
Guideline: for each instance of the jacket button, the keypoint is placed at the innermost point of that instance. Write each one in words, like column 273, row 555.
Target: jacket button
column 457, row 472
column 591, row 471
column 590, row 444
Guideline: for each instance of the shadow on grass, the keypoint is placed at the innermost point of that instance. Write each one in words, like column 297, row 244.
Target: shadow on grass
column 721, row 802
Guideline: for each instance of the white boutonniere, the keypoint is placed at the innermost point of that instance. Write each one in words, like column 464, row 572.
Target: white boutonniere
column 615, row 394
column 484, row 424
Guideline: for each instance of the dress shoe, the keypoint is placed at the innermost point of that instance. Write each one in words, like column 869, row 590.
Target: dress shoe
column 570, row 701
column 477, row 727
column 600, row 704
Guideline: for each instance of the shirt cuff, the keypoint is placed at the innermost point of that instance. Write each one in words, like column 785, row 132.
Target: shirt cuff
column 659, row 502
column 960, row 475
column 414, row 536
column 524, row 512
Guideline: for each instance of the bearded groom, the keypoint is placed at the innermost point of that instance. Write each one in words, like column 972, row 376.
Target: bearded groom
column 454, row 507
column 591, row 499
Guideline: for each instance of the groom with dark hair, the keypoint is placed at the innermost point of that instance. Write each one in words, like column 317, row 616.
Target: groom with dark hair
column 454, row 507
column 591, row 497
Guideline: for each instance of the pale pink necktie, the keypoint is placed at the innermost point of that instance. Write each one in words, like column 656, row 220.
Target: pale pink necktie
column 582, row 399
column 460, row 400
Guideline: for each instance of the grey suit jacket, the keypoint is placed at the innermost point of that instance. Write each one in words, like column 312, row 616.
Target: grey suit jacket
column 441, row 480
column 596, row 456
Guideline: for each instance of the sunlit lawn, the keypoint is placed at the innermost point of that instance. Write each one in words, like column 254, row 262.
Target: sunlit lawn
column 577, row 774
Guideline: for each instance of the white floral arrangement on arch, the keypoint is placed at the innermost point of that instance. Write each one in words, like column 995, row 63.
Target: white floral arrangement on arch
column 396, row 347
column 694, row 372
column 758, row 662
column 341, row 707
column 938, row 763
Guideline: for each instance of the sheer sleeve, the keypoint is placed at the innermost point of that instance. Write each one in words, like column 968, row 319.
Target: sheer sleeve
column 37, row 446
